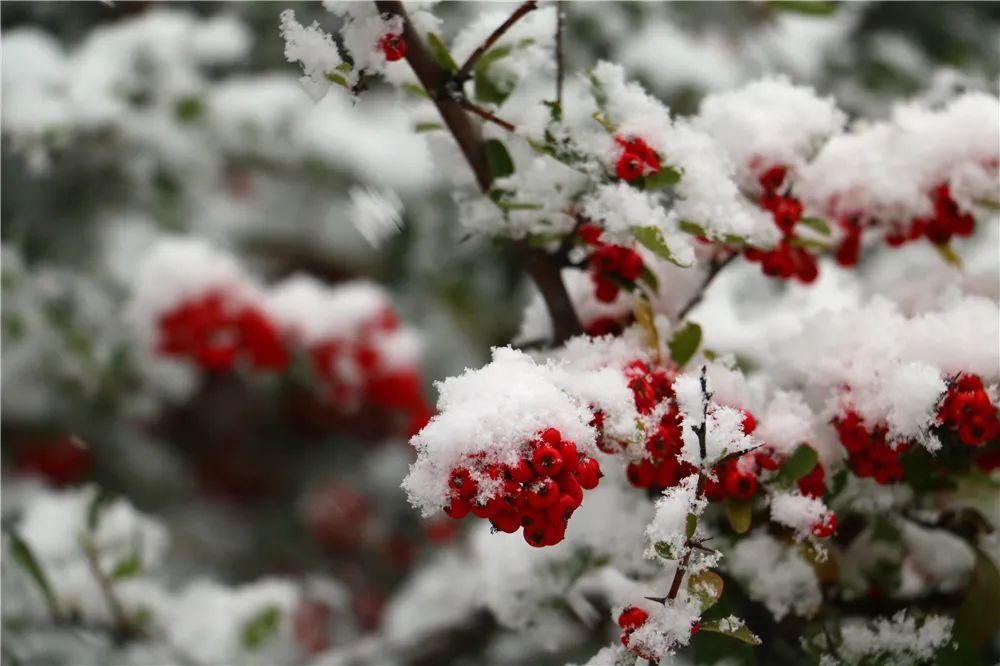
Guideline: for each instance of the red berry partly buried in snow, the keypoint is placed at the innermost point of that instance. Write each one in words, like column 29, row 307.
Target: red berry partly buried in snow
column 393, row 46
column 632, row 618
column 772, row 179
column 825, row 527
column 547, row 460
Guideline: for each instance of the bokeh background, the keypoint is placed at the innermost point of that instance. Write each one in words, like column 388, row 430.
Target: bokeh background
column 125, row 122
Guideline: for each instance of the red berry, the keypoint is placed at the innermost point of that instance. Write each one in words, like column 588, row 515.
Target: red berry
column 631, row 266
column 570, row 456
column 632, row 618
column 542, row 494
column 588, row 473
column 590, row 233
column 547, row 460
column 462, row 483
column 393, row 46
column 606, row 291
column 640, row 474
column 522, row 472
column 551, row 436
column 772, row 179
column 739, row 485
column 506, row 521
column 629, row 166
column 458, row 508
column 749, row 423
column 535, row 535
column 561, row 510
column 826, row 527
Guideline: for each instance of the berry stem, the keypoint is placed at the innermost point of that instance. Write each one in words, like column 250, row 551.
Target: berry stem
column 520, row 12
column 486, row 115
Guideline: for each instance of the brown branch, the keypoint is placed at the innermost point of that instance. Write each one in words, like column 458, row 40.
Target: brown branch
column 538, row 263
column 486, row 115
column 714, row 269
column 466, row 69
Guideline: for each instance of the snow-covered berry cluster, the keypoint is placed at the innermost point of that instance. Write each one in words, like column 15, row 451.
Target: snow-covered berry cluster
column 538, row 493
column 195, row 303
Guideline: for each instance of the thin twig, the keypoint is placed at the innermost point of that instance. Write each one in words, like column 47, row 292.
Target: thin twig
column 486, row 115
column 702, row 432
column 714, row 269
column 466, row 69
column 560, row 7
column 118, row 615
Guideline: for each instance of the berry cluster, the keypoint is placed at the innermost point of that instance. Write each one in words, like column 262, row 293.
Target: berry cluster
column 636, row 160
column 848, row 251
column 393, row 46
column 216, row 334
column 610, row 265
column 967, row 410
column 539, row 493
column 787, row 260
column 948, row 220
column 869, row 452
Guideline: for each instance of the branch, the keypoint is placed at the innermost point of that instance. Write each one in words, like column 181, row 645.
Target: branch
column 122, row 626
column 525, row 8
column 702, row 432
column 486, row 115
column 539, row 265
column 714, row 269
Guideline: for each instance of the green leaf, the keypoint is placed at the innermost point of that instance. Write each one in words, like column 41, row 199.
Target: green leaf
column 652, row 239
column 501, row 165
column 189, row 109
column 692, row 228
column 649, row 278
column 344, row 67
column 333, row 77
column 809, row 7
column 603, row 121
column 411, row 88
column 128, row 567
column 816, row 224
column 724, row 627
column 441, row 52
column 667, row 176
column 948, row 254
column 684, row 343
column 96, row 507
column 706, row 587
column 260, row 627
column 428, row 127
column 486, row 89
column 691, row 525
column 978, row 616
column 797, row 465
column 740, row 514
column 808, row 244
column 666, row 551
column 23, row 555
column 518, row 205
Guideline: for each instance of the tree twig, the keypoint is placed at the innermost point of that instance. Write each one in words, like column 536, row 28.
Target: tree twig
column 122, row 626
column 539, row 264
column 466, row 69
column 486, row 115
column 714, row 269
column 560, row 8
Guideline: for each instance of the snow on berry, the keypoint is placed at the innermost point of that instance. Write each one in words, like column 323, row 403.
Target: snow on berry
column 654, row 631
column 884, row 171
column 805, row 515
column 768, row 122
column 968, row 410
column 505, row 421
